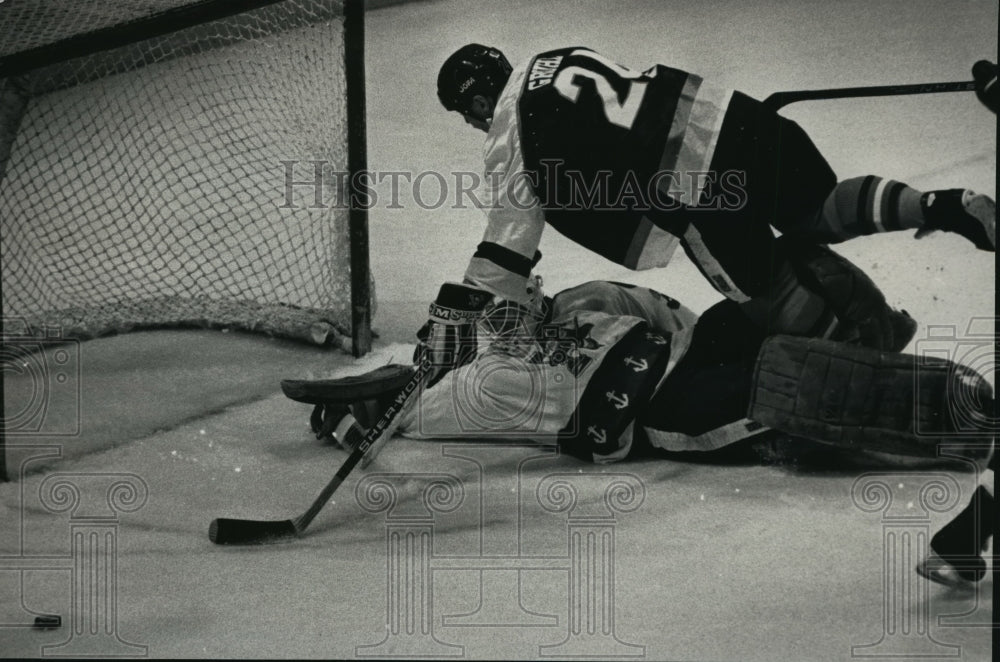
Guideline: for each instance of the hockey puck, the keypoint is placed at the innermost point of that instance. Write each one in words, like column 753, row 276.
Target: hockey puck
column 48, row 622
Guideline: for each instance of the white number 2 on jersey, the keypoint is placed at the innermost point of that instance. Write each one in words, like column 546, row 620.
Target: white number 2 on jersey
column 619, row 112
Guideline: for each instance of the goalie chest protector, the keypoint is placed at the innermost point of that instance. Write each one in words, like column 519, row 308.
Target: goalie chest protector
column 593, row 135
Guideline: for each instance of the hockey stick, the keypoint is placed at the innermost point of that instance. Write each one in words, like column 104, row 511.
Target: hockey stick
column 781, row 99
column 225, row 531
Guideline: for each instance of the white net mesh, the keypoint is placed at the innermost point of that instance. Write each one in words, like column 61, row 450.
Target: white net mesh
column 157, row 195
column 44, row 22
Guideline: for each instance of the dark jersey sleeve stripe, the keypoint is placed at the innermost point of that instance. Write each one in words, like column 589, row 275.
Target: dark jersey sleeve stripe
column 505, row 258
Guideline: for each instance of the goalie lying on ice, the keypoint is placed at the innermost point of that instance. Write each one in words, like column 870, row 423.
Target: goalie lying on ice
column 607, row 370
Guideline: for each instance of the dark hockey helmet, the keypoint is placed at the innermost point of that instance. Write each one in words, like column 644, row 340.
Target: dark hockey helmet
column 473, row 69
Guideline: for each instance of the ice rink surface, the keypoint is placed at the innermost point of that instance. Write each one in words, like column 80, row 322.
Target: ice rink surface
column 485, row 550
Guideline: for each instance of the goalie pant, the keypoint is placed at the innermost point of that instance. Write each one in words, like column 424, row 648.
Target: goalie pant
column 622, row 369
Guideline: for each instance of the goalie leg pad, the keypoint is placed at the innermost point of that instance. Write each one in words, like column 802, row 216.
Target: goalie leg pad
column 859, row 305
column 861, row 398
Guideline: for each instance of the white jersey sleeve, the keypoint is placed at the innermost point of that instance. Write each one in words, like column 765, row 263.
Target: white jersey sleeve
column 515, row 219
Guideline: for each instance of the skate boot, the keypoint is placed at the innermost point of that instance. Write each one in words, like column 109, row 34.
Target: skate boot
column 961, row 211
column 955, row 558
column 964, row 574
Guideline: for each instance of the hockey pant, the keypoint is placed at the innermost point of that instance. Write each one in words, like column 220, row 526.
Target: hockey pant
column 702, row 404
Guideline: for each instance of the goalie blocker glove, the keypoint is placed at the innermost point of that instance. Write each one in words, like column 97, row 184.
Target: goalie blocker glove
column 449, row 336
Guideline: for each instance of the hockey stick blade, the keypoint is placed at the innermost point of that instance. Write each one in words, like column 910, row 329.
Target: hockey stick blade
column 226, row 531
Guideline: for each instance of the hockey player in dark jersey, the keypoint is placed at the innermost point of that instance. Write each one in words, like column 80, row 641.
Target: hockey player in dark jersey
column 629, row 164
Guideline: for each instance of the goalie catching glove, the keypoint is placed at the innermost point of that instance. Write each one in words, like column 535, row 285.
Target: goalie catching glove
column 345, row 408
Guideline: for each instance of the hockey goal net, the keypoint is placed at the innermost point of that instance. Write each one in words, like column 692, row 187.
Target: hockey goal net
column 145, row 185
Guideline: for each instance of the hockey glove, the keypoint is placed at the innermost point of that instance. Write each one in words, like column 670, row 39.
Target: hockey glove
column 987, row 91
column 449, row 336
